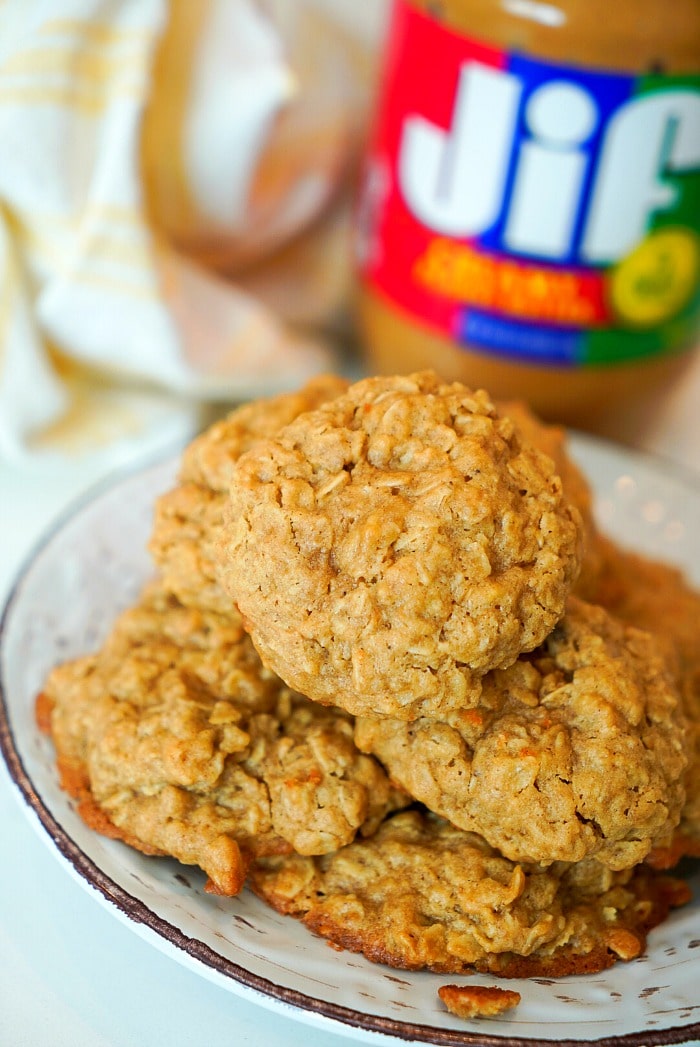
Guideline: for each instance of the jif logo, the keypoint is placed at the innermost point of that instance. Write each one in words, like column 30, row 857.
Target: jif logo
column 564, row 195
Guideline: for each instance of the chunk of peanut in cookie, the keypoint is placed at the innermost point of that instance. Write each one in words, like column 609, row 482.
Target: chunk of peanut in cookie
column 624, row 943
column 478, row 1001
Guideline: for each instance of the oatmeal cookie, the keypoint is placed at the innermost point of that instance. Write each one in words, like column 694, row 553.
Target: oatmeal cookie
column 188, row 517
column 420, row 893
column 576, row 750
column 653, row 595
column 391, row 547
column 175, row 738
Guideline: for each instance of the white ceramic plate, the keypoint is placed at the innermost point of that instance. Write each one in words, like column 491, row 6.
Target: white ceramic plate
column 89, row 568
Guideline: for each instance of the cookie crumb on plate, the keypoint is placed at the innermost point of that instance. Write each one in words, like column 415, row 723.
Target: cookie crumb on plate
column 478, row 1001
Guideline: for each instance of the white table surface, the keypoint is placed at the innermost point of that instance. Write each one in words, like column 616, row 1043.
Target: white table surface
column 71, row 975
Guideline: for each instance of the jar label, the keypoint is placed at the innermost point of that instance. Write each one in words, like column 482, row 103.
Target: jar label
column 532, row 210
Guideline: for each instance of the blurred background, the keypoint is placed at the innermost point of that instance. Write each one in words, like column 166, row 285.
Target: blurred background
column 176, row 190
column 182, row 214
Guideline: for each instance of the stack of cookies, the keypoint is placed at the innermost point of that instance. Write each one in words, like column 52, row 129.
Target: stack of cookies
column 390, row 675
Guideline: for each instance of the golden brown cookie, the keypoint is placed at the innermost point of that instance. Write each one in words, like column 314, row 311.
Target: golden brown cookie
column 420, row 893
column 176, row 738
column 188, row 517
column 576, row 750
column 393, row 546
column 655, row 596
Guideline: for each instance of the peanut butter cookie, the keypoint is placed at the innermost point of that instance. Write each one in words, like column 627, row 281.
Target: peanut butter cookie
column 577, row 749
column 188, row 518
column 175, row 738
column 391, row 547
column 655, row 596
column 420, row 893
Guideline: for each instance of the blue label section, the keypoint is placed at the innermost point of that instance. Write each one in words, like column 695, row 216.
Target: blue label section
column 547, row 345
column 608, row 92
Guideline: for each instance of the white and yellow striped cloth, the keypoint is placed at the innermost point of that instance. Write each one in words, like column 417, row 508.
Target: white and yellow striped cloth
column 157, row 161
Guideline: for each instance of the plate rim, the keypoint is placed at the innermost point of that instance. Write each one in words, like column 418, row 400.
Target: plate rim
column 190, row 950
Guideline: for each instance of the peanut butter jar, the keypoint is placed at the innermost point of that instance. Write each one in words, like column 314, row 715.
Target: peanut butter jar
column 529, row 219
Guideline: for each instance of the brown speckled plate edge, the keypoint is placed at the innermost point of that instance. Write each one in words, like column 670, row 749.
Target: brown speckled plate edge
column 340, row 1019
